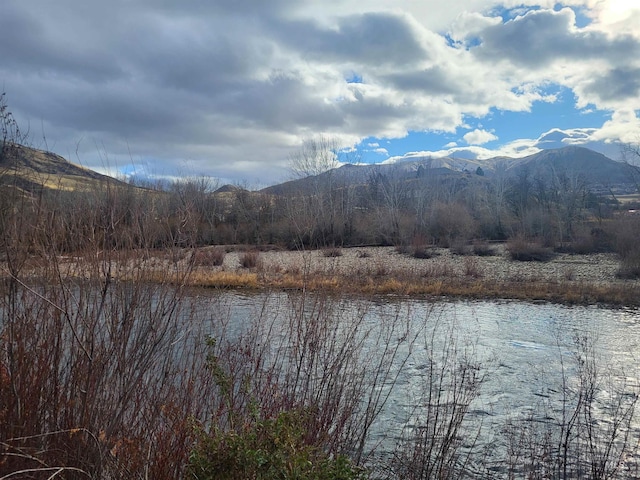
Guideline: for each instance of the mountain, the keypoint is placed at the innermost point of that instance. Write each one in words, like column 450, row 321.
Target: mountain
column 30, row 168
column 598, row 172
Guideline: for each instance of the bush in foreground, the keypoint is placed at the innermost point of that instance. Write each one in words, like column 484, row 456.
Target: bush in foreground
column 274, row 448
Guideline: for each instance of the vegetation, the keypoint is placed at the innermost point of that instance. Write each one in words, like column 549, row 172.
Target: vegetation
column 111, row 368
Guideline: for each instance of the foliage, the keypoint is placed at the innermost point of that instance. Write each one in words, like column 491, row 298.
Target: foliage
column 274, row 448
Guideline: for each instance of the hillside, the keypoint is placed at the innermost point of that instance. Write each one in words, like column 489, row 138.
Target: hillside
column 29, row 168
column 598, row 172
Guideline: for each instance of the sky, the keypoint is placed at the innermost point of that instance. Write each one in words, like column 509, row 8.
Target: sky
column 232, row 89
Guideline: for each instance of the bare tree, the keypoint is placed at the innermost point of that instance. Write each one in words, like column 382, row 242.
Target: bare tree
column 631, row 156
column 321, row 195
column 316, row 156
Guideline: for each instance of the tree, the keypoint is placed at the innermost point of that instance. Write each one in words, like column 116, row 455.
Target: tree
column 316, row 160
column 630, row 156
column 316, row 156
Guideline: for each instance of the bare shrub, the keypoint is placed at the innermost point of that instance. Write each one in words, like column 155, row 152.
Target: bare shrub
column 98, row 376
column 332, row 252
column 472, row 267
column 587, row 241
column 250, row 259
column 589, row 422
column 422, row 252
column 569, row 273
column 436, row 441
column 317, row 357
column 380, row 269
column 460, row 247
column 523, row 250
column 483, row 249
column 211, row 257
column 627, row 231
column 451, row 222
column 438, row 270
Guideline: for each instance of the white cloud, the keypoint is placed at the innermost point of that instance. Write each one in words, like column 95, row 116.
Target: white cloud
column 479, row 137
column 232, row 88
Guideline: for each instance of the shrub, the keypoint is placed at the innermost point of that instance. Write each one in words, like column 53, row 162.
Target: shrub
column 273, row 448
column 403, row 249
column 472, row 268
column 213, row 257
column 423, row 252
column 483, row 249
column 250, row 259
column 629, row 268
column 523, row 250
column 626, row 231
column 460, row 247
column 596, row 240
column 332, row 252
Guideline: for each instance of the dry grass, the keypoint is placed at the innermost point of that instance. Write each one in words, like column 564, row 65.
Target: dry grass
column 383, row 274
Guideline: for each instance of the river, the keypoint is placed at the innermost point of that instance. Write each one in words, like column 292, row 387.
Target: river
column 530, row 368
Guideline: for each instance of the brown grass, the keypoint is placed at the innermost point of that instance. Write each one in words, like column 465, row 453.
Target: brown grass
column 472, row 284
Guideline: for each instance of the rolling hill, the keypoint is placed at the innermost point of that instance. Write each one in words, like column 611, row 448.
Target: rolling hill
column 30, row 168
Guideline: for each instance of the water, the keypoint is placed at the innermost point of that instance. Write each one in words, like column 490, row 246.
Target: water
column 526, row 359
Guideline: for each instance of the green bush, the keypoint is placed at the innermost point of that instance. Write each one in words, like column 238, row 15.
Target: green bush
column 274, row 448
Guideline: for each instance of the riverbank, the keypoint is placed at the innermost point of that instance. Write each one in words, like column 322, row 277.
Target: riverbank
column 570, row 279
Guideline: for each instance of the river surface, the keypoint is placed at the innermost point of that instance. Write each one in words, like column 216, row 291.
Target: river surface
column 528, row 354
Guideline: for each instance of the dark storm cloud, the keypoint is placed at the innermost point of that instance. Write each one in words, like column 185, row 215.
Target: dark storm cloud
column 616, row 85
column 540, row 38
column 434, row 80
column 370, row 38
column 282, row 101
column 193, row 57
column 30, row 42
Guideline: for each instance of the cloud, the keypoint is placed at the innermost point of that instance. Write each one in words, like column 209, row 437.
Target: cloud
column 372, row 38
column 540, row 38
column 479, row 137
column 617, row 85
column 231, row 88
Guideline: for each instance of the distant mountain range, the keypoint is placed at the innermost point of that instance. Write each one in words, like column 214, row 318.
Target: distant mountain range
column 31, row 167
column 598, row 172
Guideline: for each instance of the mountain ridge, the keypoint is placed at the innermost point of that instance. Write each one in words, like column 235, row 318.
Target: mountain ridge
column 598, row 171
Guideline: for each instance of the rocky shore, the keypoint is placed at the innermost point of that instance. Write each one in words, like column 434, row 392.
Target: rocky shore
column 566, row 278
column 593, row 268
